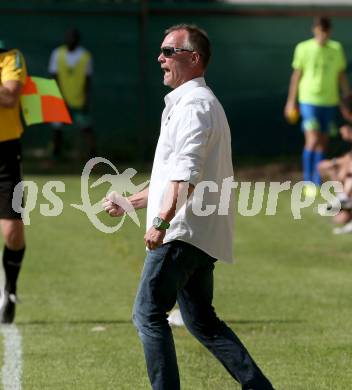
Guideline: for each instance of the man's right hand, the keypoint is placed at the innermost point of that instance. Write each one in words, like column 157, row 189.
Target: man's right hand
column 289, row 108
column 116, row 205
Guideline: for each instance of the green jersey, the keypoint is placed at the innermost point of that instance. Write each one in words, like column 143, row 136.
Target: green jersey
column 320, row 66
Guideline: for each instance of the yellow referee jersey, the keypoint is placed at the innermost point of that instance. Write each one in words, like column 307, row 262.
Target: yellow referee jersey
column 12, row 67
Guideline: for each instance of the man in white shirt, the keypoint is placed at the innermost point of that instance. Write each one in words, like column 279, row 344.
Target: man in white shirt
column 189, row 218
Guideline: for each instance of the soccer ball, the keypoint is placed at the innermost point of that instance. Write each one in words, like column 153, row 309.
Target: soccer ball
column 293, row 116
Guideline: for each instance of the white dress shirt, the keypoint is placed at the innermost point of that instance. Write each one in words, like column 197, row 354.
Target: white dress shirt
column 195, row 146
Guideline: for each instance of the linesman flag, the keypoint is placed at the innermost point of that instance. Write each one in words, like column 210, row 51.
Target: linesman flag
column 41, row 101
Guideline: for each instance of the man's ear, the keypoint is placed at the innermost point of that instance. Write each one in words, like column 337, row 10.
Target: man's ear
column 195, row 58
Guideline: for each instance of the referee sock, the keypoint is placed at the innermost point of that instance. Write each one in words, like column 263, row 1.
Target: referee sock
column 12, row 261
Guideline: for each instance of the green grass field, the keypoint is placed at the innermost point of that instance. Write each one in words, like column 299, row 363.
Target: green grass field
column 288, row 298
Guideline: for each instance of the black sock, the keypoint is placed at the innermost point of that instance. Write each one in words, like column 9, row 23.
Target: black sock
column 12, row 261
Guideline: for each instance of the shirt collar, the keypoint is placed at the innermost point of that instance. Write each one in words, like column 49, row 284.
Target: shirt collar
column 326, row 44
column 174, row 96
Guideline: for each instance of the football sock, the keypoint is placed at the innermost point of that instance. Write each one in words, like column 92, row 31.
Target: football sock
column 317, row 157
column 12, row 261
column 307, row 161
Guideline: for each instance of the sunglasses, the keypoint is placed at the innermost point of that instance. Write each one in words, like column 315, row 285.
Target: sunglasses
column 169, row 51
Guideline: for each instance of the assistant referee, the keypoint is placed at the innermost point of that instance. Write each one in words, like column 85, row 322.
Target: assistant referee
column 12, row 78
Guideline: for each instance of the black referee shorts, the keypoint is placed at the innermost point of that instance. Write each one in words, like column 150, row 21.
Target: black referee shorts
column 10, row 176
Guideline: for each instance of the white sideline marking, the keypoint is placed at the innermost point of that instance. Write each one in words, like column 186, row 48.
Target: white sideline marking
column 98, row 329
column 12, row 366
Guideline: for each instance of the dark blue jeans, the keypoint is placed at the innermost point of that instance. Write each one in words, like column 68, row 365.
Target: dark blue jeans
column 178, row 271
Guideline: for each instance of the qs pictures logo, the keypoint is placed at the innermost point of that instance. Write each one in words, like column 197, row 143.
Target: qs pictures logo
column 122, row 185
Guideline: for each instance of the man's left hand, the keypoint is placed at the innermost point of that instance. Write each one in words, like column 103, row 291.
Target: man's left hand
column 154, row 238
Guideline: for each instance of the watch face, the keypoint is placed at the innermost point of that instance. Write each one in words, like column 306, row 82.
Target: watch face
column 160, row 224
column 157, row 221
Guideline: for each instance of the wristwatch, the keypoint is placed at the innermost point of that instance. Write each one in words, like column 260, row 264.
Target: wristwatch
column 160, row 224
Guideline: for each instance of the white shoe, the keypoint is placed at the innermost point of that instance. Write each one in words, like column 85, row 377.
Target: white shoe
column 343, row 229
column 175, row 318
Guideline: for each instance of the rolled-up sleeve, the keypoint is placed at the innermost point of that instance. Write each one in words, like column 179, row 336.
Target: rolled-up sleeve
column 193, row 131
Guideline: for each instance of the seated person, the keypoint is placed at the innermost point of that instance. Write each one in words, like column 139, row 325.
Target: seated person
column 340, row 169
column 336, row 168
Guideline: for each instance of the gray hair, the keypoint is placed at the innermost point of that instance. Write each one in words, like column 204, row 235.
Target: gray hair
column 197, row 40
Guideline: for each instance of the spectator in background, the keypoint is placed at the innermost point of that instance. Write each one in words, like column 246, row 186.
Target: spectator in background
column 318, row 71
column 340, row 169
column 336, row 168
column 12, row 78
column 71, row 65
